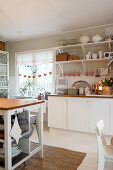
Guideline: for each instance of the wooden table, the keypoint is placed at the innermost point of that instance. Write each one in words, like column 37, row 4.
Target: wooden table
column 8, row 107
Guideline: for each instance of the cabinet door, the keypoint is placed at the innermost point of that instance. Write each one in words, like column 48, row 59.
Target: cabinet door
column 99, row 110
column 111, row 117
column 57, row 112
column 78, row 114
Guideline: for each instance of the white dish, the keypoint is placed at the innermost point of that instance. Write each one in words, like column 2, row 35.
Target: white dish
column 15, row 151
column 96, row 38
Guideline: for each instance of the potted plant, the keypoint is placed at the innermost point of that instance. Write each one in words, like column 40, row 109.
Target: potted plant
column 107, row 86
column 27, row 88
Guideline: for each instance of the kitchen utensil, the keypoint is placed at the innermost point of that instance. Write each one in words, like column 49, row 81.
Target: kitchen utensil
column 97, row 74
column 78, row 73
column 73, row 74
column 64, row 74
column 80, row 83
column 69, row 74
column 91, row 73
column 96, row 38
column 84, row 39
column 86, row 73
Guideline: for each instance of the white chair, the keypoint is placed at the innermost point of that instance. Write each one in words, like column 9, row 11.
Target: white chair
column 105, row 152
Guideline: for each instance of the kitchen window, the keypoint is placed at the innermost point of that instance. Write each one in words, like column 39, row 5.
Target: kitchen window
column 35, row 72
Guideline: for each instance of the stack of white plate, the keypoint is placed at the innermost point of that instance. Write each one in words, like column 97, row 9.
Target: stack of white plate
column 15, row 151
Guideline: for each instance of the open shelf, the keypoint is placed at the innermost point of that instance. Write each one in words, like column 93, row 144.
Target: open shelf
column 84, row 60
column 1, row 64
column 3, row 75
column 84, row 45
column 3, row 87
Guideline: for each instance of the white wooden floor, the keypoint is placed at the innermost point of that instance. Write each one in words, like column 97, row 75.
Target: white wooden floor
column 82, row 142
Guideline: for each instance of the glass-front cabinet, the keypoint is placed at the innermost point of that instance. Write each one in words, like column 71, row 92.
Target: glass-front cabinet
column 4, row 74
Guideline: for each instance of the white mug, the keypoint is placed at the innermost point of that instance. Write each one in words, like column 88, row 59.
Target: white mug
column 94, row 56
column 88, row 56
column 89, row 53
column 100, row 53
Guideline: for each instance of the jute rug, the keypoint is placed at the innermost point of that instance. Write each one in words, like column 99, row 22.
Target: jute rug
column 54, row 159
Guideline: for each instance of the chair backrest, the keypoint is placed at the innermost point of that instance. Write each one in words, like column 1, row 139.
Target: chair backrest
column 101, row 142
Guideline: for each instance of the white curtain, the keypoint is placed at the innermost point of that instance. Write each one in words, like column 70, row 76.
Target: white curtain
column 44, row 77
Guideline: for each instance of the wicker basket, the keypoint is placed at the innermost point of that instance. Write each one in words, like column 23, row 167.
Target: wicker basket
column 73, row 58
column 61, row 57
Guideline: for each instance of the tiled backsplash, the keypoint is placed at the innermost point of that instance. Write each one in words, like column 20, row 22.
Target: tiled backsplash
column 89, row 79
column 89, row 67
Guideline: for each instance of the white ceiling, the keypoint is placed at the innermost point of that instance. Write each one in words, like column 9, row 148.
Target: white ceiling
column 33, row 18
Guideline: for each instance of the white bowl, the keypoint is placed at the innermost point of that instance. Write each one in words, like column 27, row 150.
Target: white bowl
column 84, row 39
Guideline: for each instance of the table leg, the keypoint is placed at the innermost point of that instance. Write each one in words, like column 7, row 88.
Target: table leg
column 7, row 125
column 40, row 112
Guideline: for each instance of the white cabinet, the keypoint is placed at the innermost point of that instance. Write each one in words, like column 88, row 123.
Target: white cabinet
column 78, row 114
column 99, row 110
column 57, row 112
column 111, row 118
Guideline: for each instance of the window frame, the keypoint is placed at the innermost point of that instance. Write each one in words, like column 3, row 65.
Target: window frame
column 33, row 51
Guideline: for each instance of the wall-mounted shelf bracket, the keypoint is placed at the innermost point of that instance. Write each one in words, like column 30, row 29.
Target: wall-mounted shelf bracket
column 61, row 67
